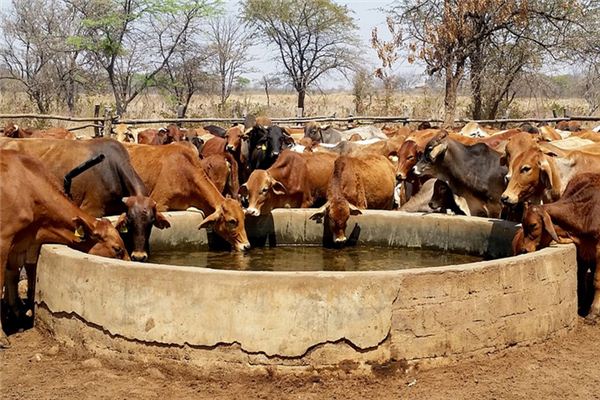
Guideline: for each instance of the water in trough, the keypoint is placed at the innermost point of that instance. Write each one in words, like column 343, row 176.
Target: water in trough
column 314, row 258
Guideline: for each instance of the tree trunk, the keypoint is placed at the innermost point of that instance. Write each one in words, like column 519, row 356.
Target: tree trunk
column 267, row 93
column 476, row 83
column 453, row 78
column 301, row 96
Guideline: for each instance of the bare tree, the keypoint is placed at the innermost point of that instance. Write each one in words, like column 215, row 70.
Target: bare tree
column 133, row 40
column 185, row 72
column 25, row 52
column 362, row 89
column 268, row 82
column 312, row 37
column 229, row 45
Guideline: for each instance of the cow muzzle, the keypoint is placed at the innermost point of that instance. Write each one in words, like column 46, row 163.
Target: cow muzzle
column 252, row 211
column 340, row 240
column 140, row 256
column 243, row 246
column 508, row 199
column 229, row 148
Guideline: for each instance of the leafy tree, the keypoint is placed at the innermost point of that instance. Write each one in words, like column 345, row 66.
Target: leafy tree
column 133, row 40
column 312, row 37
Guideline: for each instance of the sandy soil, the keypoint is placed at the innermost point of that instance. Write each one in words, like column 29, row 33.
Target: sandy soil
column 37, row 367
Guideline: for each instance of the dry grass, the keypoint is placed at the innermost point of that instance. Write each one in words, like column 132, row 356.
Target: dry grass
column 417, row 104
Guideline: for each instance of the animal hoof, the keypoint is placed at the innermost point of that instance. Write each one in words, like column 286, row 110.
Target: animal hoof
column 591, row 319
column 4, row 343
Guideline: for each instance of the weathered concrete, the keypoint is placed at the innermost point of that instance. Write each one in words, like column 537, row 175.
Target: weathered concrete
column 316, row 319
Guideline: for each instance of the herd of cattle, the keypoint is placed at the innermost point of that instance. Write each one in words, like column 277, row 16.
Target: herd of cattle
column 56, row 189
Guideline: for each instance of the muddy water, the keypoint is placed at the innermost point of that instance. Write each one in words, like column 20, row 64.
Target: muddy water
column 315, row 258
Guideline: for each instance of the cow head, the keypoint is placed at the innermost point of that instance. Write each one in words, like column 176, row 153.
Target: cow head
column 537, row 230
column 136, row 224
column 279, row 140
column 442, row 197
column 228, row 222
column 233, row 138
column 174, row 134
column 434, row 152
column 259, row 189
column 529, row 173
column 99, row 237
column 11, row 130
column 408, row 155
column 518, row 143
column 314, row 131
column 336, row 212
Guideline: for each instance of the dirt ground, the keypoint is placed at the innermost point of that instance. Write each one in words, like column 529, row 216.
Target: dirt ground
column 37, row 367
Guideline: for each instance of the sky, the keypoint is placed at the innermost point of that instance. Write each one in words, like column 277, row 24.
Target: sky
column 367, row 16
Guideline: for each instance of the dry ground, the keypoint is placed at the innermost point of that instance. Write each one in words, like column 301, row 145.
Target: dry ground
column 566, row 367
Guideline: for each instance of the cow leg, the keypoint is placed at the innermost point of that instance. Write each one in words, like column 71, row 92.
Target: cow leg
column 11, row 283
column 4, row 343
column 30, row 268
column 595, row 308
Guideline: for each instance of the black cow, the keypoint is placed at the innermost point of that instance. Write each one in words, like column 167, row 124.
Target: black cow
column 473, row 173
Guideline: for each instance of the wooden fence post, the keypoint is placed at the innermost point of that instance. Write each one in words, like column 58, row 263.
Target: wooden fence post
column 96, row 115
column 179, row 114
column 108, row 118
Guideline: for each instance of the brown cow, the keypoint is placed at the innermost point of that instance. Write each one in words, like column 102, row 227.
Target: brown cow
column 167, row 135
column 35, row 211
column 175, row 179
column 102, row 189
column 574, row 218
column 295, row 180
column 231, row 144
column 15, row 131
column 541, row 175
column 365, row 182
column 221, row 170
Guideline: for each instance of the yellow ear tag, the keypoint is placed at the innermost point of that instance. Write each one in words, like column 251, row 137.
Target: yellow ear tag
column 79, row 233
column 123, row 229
column 264, row 147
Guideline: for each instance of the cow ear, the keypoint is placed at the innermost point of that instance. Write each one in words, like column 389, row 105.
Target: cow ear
column 517, row 242
column 549, row 226
column 546, row 174
column 278, row 188
column 121, row 224
column 320, row 213
column 354, row 210
column 128, row 201
column 243, row 190
column 82, row 228
column 211, row 219
column 438, row 150
column 503, row 160
column 161, row 221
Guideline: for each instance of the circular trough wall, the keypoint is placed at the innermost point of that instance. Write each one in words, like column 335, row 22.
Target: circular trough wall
column 347, row 320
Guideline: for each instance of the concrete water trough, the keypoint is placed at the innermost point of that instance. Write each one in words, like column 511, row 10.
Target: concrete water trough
column 354, row 321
